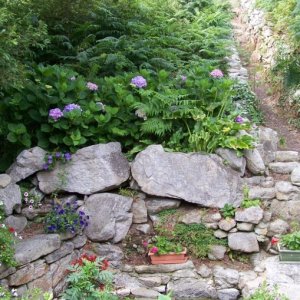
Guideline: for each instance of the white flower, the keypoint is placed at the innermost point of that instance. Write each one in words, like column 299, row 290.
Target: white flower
column 1, row 202
column 3, row 226
column 31, row 201
column 26, row 194
column 30, row 207
column 20, row 237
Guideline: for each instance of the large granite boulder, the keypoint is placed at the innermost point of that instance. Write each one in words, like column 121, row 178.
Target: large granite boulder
column 187, row 176
column 10, row 197
column 92, row 169
column 27, row 163
column 109, row 217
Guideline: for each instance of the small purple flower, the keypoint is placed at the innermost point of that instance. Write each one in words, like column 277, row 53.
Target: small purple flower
column 71, row 107
column 45, row 166
column 139, row 82
column 92, row 86
column 239, row 120
column 183, row 78
column 55, row 114
column 68, row 156
column 61, row 212
column 57, row 154
column 216, row 73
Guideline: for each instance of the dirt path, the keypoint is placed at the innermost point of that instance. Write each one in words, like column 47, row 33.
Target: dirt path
column 274, row 115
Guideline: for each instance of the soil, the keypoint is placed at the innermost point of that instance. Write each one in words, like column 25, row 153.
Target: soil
column 275, row 116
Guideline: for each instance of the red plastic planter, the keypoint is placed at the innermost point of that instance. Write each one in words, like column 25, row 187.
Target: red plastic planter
column 170, row 258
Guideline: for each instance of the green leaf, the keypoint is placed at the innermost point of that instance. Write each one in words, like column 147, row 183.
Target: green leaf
column 12, row 137
column 45, row 128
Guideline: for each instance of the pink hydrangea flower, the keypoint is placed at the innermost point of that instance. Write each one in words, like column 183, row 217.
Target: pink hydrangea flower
column 92, row 86
column 216, row 73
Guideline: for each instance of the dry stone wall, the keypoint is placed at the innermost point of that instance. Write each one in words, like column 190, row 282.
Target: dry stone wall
column 163, row 180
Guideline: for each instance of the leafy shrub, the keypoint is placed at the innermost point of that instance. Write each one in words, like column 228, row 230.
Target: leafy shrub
column 291, row 241
column 228, row 211
column 89, row 279
column 65, row 218
column 267, row 293
column 34, row 294
column 197, row 238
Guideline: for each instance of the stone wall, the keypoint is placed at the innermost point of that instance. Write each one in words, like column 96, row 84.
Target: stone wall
column 258, row 33
column 162, row 180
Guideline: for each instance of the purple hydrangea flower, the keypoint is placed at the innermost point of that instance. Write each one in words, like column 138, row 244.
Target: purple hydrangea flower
column 45, row 166
column 92, row 86
column 71, row 107
column 139, row 82
column 55, row 114
column 239, row 120
column 183, row 77
column 216, row 73
column 68, row 156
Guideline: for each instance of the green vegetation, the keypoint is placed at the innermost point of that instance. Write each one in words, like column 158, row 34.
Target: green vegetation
column 291, row 241
column 163, row 245
column 247, row 202
column 228, row 211
column 267, row 293
column 75, row 85
column 197, row 238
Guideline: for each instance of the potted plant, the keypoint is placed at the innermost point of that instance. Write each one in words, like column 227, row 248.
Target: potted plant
column 289, row 247
column 164, row 251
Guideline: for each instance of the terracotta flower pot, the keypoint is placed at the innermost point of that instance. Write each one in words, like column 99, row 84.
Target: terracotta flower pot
column 170, row 258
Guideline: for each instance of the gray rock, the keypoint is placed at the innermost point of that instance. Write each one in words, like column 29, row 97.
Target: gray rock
column 11, row 198
column 104, row 162
column 216, row 252
column 227, row 224
column 156, row 205
column 16, row 222
column 211, row 217
column 262, row 193
column 150, row 281
column 220, row 234
column 252, row 215
column 186, row 176
column 42, row 211
column 225, row 278
column 28, row 273
column 286, row 191
column 228, row 294
column 295, row 176
column 268, row 138
column 283, row 167
column 168, row 268
column 27, row 163
column 124, row 280
column 145, row 293
column 267, row 216
column 5, row 180
column 191, row 288
column 139, row 211
column 79, row 241
column 204, row 271
column 64, row 250
column 144, row 228
column 278, row 227
column 245, row 226
column 229, row 156
column 245, row 277
column 192, row 217
column 184, row 274
column 109, row 217
column 287, row 210
column 5, row 271
column 243, row 242
column 35, row 247
column 110, row 252
column 255, row 163
column 285, row 156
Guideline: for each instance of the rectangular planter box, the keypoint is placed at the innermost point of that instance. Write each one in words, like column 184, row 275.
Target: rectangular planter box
column 288, row 256
column 171, row 258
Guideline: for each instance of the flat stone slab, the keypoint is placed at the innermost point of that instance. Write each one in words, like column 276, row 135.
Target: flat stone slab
column 283, row 167
column 36, row 247
column 168, row 268
column 187, row 176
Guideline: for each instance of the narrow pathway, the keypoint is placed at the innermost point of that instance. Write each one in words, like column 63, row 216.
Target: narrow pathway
column 274, row 116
